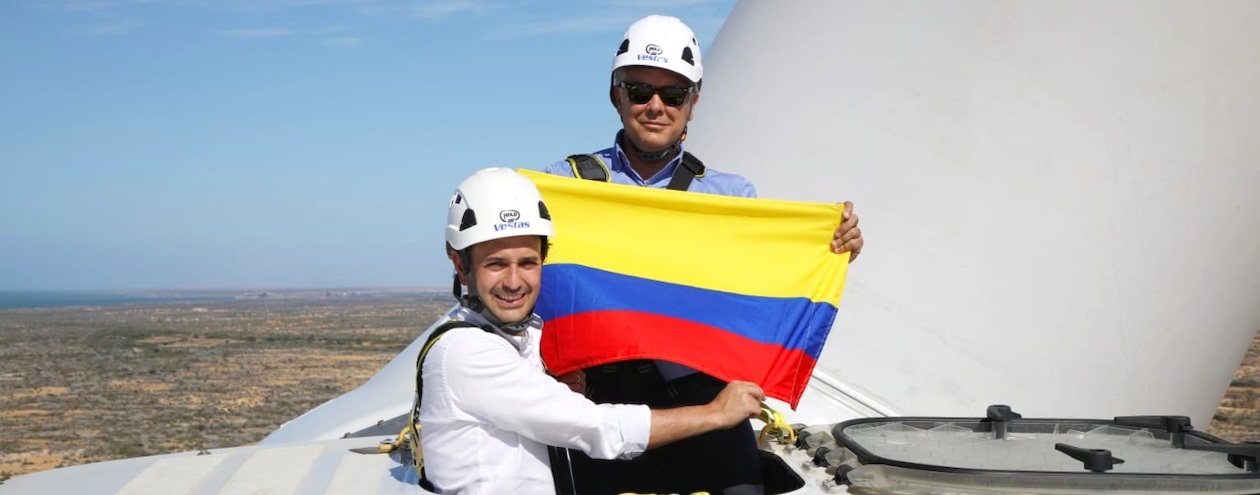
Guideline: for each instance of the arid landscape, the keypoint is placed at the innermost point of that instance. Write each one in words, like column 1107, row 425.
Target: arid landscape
column 87, row 384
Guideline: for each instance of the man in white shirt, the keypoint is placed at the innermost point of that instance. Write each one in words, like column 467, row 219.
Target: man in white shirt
column 488, row 408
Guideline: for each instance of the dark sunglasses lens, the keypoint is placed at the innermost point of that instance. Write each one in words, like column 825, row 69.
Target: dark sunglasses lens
column 672, row 95
column 638, row 93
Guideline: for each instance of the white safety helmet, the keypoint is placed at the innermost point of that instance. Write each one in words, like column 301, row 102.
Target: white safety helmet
column 495, row 203
column 661, row 41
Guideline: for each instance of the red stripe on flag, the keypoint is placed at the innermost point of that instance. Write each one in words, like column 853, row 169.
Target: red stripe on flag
column 593, row 338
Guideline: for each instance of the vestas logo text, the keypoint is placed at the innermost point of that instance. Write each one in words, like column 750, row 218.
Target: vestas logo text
column 510, row 225
column 654, row 58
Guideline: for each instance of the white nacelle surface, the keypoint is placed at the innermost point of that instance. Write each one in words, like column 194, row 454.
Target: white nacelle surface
column 1061, row 200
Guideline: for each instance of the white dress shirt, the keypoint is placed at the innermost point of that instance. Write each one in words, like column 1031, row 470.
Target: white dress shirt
column 489, row 411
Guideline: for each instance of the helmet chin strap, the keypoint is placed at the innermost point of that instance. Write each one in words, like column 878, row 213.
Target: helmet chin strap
column 470, row 300
column 656, row 156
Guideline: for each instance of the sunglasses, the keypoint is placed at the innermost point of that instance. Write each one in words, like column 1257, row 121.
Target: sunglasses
column 640, row 93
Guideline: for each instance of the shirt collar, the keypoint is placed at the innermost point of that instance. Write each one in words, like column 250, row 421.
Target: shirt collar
column 621, row 163
column 521, row 342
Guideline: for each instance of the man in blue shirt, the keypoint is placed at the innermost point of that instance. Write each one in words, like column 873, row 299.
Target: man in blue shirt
column 655, row 87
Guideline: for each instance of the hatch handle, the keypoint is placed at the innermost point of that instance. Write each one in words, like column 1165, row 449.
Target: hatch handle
column 1096, row 460
column 998, row 416
column 1241, row 455
column 820, row 457
column 1176, row 426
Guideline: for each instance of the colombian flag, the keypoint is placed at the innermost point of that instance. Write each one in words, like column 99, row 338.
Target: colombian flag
column 742, row 289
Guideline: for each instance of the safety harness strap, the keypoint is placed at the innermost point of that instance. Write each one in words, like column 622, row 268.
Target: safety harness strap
column 690, row 168
column 592, row 167
column 413, row 426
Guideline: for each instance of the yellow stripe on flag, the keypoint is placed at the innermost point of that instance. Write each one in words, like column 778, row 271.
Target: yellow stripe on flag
column 759, row 247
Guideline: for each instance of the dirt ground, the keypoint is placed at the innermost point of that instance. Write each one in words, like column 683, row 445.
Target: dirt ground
column 89, row 384
column 1237, row 418
column 81, row 385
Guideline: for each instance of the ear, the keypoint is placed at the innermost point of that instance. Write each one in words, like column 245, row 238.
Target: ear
column 612, row 96
column 695, row 100
column 460, row 270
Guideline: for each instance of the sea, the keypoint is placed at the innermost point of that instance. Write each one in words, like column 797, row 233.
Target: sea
column 59, row 299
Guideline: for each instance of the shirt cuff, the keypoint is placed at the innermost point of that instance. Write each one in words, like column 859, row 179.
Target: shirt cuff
column 636, row 428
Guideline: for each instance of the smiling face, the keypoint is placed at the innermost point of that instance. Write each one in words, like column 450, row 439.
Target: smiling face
column 654, row 126
column 506, row 273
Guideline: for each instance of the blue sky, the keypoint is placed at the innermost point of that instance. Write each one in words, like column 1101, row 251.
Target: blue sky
column 149, row 144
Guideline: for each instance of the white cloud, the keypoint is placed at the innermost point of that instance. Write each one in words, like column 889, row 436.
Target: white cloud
column 345, row 42
column 257, row 33
column 582, row 25
column 660, row 5
column 329, row 30
column 276, row 5
column 437, row 10
column 85, row 5
column 612, row 17
column 112, row 28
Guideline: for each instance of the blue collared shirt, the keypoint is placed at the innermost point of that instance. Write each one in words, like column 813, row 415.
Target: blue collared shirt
column 712, row 182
